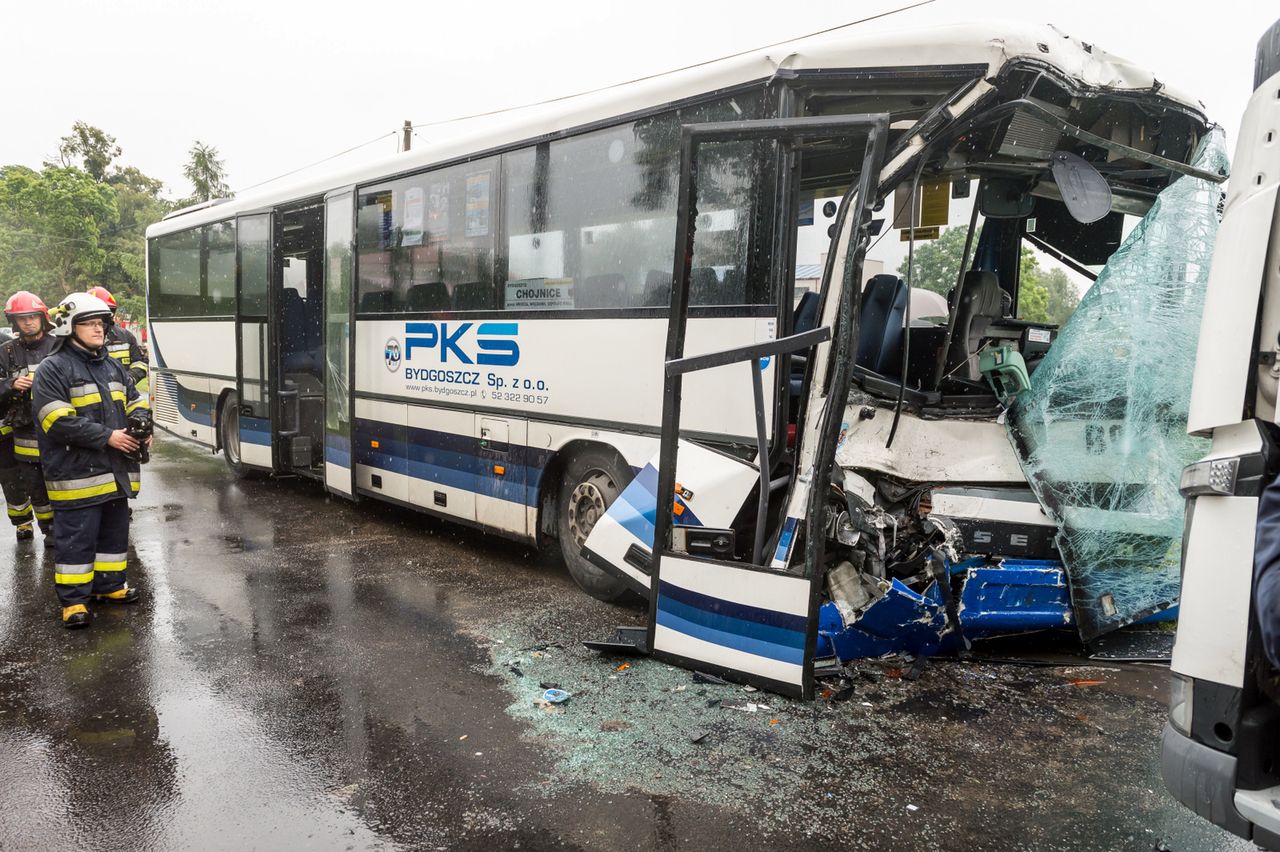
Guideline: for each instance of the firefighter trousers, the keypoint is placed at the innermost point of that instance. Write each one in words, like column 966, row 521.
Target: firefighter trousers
column 24, row 493
column 90, row 547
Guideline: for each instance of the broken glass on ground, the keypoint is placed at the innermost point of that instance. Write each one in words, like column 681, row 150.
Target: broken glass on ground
column 1101, row 434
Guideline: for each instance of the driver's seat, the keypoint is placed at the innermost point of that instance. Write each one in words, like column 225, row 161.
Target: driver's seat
column 977, row 305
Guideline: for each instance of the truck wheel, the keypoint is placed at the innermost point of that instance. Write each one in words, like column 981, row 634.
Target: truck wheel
column 592, row 481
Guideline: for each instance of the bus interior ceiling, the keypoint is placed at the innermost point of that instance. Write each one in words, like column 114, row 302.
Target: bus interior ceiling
column 300, row 325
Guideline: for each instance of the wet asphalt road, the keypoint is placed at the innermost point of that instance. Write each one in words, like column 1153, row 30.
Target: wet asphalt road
column 308, row 674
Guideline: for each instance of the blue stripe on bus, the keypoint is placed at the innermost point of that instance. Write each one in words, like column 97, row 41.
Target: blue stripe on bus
column 255, row 430
column 788, row 621
column 727, row 624
column 712, row 631
column 449, row 459
column 636, row 508
column 337, row 449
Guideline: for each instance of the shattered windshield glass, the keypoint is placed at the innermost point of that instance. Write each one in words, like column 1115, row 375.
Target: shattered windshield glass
column 1101, row 434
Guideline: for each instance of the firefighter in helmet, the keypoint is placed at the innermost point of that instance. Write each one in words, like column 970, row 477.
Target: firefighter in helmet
column 20, row 474
column 82, row 399
column 123, row 345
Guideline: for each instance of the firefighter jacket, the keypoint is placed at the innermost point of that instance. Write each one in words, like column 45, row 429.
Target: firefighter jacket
column 124, row 347
column 17, row 358
column 78, row 400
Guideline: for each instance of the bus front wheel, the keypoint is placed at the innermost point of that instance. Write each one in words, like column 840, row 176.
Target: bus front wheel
column 592, row 480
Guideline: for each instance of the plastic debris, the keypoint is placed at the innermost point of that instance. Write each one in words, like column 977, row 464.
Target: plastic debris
column 913, row 808
column 703, row 677
column 1101, row 434
column 622, row 668
column 555, row 696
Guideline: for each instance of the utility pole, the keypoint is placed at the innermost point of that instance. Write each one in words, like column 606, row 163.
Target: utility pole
column 408, row 133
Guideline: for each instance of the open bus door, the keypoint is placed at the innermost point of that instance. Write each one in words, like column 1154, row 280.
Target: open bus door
column 247, row 441
column 724, row 597
column 339, row 272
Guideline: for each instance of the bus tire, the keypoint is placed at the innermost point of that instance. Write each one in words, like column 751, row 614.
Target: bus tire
column 592, row 480
column 229, row 435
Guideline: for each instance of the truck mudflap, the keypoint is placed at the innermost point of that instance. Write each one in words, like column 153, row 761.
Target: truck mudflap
column 1101, row 434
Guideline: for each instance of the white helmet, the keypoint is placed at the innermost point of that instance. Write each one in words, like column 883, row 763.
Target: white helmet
column 77, row 307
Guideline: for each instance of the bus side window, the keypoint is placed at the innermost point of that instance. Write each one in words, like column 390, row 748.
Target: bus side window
column 425, row 243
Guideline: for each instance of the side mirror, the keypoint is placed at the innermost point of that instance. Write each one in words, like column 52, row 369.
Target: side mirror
column 1085, row 192
column 1005, row 198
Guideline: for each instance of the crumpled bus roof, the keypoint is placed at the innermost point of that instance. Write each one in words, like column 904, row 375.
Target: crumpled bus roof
column 992, row 45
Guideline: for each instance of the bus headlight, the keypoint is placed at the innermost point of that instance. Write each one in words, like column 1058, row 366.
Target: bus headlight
column 1180, row 703
column 1216, row 476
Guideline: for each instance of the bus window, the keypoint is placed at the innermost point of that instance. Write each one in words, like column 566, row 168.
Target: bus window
column 193, row 273
column 425, row 243
column 591, row 219
column 175, row 275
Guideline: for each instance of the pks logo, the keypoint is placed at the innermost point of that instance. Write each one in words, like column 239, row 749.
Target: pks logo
column 391, row 354
column 493, row 344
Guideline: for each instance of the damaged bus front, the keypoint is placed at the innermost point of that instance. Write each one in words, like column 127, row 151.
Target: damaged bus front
column 923, row 480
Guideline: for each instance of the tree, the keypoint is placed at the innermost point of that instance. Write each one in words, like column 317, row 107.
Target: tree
column 207, row 173
column 94, row 148
column 1044, row 295
column 51, row 229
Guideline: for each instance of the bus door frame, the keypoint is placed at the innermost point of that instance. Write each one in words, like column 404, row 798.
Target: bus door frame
column 335, row 453
column 748, row 621
column 266, row 378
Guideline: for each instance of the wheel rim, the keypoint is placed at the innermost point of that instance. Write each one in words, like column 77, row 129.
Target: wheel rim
column 231, row 433
column 587, row 504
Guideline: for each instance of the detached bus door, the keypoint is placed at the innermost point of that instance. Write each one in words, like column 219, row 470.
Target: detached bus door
column 339, row 235
column 253, row 345
column 739, row 601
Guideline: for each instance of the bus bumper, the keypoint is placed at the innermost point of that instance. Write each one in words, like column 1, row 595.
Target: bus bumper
column 1203, row 779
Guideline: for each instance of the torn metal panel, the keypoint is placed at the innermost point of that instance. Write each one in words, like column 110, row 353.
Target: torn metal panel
column 1101, row 434
column 1010, row 596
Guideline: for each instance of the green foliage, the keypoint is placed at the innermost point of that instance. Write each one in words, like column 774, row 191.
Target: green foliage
column 79, row 222
column 51, row 229
column 95, row 150
column 1045, row 295
column 207, row 173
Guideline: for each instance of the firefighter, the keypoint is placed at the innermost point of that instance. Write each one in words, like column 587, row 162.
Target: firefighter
column 81, row 401
column 20, row 474
column 123, row 345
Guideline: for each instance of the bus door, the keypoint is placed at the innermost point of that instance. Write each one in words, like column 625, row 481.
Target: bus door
column 247, row 442
column 339, row 235
column 724, row 593
column 298, row 326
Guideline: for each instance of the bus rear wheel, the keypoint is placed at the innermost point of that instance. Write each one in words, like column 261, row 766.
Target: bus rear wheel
column 229, row 434
column 592, row 480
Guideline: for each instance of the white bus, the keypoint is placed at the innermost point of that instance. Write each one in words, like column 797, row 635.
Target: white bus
column 478, row 329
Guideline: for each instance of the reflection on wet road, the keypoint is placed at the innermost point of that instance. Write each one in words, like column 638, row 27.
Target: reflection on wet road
column 304, row 673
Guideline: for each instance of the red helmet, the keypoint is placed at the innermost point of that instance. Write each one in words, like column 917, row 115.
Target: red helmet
column 23, row 303
column 105, row 295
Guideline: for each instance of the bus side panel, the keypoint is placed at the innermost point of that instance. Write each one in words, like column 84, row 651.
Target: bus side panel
column 191, row 364
column 185, row 405
column 606, row 370
column 439, row 456
column 380, row 435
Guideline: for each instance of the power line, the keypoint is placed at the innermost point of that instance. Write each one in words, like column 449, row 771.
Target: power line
column 378, row 138
column 674, row 70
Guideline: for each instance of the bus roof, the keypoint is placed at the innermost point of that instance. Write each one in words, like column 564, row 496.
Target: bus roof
column 992, row 45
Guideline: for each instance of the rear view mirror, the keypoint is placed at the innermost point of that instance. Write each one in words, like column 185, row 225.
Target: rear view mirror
column 1084, row 191
column 1005, row 198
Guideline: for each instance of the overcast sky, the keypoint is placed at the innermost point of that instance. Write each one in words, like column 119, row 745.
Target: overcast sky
column 276, row 84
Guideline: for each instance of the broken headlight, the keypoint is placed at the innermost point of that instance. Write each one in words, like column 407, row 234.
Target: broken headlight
column 1214, row 476
column 1180, row 703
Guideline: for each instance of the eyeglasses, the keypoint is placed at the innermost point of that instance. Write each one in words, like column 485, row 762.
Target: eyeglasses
column 92, row 324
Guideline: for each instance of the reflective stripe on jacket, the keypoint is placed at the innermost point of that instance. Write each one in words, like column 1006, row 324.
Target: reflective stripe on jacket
column 78, row 400
column 123, row 346
column 17, row 358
